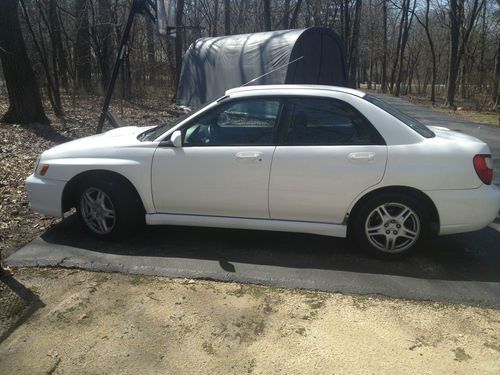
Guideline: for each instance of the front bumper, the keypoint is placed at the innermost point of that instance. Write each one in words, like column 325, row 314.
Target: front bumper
column 466, row 210
column 45, row 195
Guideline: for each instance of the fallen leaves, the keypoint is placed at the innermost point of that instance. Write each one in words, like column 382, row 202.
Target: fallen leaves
column 21, row 145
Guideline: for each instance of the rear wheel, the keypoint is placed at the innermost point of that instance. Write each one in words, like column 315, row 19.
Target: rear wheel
column 391, row 225
column 108, row 209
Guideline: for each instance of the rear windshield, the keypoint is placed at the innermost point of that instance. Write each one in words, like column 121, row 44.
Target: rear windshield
column 404, row 118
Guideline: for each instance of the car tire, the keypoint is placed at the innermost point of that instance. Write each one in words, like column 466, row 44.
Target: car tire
column 108, row 208
column 390, row 226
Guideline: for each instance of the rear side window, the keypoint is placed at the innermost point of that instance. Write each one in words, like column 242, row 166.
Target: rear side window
column 404, row 118
column 325, row 122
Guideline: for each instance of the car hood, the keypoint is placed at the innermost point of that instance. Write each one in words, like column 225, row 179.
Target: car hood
column 96, row 144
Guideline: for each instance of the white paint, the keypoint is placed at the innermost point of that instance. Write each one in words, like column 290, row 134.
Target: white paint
column 288, row 188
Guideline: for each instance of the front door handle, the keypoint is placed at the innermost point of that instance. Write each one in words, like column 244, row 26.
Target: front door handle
column 249, row 156
column 360, row 157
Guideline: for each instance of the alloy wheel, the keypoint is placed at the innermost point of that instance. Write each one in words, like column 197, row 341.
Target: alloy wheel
column 98, row 211
column 392, row 227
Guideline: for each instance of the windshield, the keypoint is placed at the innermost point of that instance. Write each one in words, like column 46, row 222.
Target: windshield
column 153, row 133
column 404, row 118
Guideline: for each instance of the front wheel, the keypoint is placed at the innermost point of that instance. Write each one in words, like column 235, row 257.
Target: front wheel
column 108, row 209
column 391, row 226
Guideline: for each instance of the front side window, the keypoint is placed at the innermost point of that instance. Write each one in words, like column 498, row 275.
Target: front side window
column 317, row 121
column 238, row 123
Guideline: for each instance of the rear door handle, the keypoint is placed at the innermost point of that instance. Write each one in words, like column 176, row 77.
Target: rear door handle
column 249, row 156
column 360, row 157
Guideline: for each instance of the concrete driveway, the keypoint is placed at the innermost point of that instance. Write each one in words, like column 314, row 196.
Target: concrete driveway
column 461, row 268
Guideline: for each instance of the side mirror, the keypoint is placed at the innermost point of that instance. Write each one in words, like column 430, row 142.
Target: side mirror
column 176, row 139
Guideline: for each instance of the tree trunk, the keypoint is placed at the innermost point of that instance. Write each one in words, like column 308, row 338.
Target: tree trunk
column 57, row 45
column 52, row 75
column 433, row 52
column 459, row 37
column 370, row 38
column 404, row 41
column 286, row 11
column 384, row 57
column 150, row 50
column 455, row 22
column 105, row 34
column 178, row 42
column 82, row 48
column 227, row 17
column 295, row 16
column 353, row 50
column 495, row 95
column 463, row 80
column 267, row 15
column 398, row 47
column 216, row 17
column 346, row 25
column 25, row 105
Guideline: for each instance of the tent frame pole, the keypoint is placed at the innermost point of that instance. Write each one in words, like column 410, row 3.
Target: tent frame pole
column 138, row 6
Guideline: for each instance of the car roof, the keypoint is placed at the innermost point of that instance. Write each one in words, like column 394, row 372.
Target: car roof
column 309, row 88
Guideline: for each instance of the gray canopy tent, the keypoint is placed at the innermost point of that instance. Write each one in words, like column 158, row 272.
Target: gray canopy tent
column 212, row 65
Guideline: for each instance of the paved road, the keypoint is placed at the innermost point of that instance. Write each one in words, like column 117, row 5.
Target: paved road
column 461, row 268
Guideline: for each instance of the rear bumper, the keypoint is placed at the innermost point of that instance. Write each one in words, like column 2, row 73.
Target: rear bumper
column 466, row 210
column 45, row 195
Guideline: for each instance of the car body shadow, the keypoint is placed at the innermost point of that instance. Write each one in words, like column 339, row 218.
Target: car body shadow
column 466, row 257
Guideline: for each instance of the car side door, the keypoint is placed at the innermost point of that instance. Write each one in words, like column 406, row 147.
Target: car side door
column 223, row 166
column 328, row 153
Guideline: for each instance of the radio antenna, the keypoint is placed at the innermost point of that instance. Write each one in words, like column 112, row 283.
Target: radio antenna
column 273, row 70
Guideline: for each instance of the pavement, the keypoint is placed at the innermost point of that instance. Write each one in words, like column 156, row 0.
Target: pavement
column 458, row 269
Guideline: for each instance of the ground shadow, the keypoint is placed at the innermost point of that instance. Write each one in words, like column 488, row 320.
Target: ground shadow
column 33, row 303
column 465, row 257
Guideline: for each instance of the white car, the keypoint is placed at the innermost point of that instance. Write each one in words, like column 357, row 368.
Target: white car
column 300, row 158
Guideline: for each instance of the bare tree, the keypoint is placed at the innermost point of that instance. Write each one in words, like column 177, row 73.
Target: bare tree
column 227, row 17
column 384, row 43
column 25, row 104
column 57, row 45
column 82, row 48
column 51, row 70
column 426, row 25
column 495, row 97
column 267, row 15
column 408, row 18
column 354, row 45
column 216, row 18
column 461, row 26
column 102, row 36
column 178, row 41
column 295, row 15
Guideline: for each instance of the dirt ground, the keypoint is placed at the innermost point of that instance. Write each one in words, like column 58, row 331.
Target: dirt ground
column 115, row 323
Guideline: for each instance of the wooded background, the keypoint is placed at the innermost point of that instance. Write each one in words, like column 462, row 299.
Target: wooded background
column 438, row 49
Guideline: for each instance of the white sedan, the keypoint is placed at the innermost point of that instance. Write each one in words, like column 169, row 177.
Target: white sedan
column 299, row 158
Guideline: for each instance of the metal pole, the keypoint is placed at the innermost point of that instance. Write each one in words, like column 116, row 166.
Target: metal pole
column 137, row 7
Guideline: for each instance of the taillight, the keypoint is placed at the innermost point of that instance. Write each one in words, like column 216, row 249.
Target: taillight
column 484, row 168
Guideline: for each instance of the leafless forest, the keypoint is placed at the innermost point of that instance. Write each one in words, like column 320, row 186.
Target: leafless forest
column 443, row 50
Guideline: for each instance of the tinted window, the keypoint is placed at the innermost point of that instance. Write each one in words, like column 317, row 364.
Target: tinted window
column 248, row 122
column 153, row 133
column 313, row 121
column 404, row 118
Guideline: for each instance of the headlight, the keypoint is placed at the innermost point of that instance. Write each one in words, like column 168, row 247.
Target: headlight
column 37, row 162
column 43, row 169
